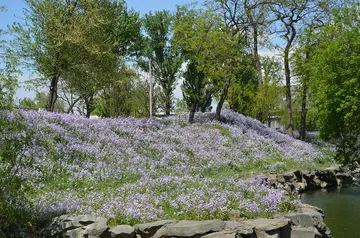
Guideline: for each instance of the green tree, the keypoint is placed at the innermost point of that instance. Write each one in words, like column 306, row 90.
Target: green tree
column 251, row 20
column 197, row 90
column 79, row 41
column 160, row 50
column 43, row 41
column 109, row 34
column 204, row 39
column 293, row 16
column 272, row 91
column 336, row 82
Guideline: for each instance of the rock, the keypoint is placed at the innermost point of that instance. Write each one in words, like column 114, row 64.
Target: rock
column 268, row 224
column 310, row 179
column 303, row 207
column 241, row 228
column 271, row 228
column 300, row 219
column 122, row 231
column 149, row 229
column 64, row 223
column 72, row 222
column 97, row 229
column 280, row 179
column 76, row 233
column 221, row 235
column 324, row 230
column 54, row 228
column 327, row 176
column 299, row 176
column 190, row 228
column 300, row 187
column 302, row 232
column 345, row 178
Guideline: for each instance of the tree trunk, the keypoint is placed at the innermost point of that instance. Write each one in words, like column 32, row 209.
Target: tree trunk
column 258, row 71
column 71, row 106
column 168, row 105
column 192, row 113
column 303, row 104
column 222, row 99
column 290, row 126
column 89, row 104
column 50, row 106
column 303, row 114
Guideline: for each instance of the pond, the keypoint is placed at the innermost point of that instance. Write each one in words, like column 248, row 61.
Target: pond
column 341, row 207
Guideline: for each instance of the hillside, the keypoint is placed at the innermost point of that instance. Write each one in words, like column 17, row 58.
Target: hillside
column 133, row 170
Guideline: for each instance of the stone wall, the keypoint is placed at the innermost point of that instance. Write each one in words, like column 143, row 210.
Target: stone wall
column 307, row 222
column 303, row 180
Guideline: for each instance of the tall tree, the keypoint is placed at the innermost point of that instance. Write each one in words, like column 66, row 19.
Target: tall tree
column 294, row 15
column 160, row 50
column 61, row 38
column 197, row 90
column 44, row 38
column 272, row 89
column 251, row 20
column 204, row 39
column 336, row 82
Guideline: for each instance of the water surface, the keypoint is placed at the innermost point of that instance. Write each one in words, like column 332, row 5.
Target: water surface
column 341, row 207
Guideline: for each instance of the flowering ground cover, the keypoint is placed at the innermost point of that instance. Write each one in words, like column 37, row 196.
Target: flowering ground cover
column 132, row 170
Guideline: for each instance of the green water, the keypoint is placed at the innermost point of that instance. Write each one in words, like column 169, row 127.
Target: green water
column 342, row 210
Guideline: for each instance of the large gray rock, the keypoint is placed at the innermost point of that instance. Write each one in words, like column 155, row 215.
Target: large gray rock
column 324, row 230
column 311, row 180
column 241, row 228
column 97, row 229
column 300, row 187
column 327, row 178
column 222, row 235
column 72, row 222
column 75, row 233
column 190, row 228
column 147, row 230
column 271, row 228
column 122, row 231
column 302, row 232
column 300, row 219
column 60, row 225
column 303, row 207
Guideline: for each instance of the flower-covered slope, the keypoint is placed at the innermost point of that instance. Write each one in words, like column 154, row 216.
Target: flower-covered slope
column 135, row 170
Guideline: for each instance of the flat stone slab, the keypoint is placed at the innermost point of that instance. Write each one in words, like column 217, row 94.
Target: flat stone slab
column 190, row 228
column 300, row 219
column 302, row 232
column 240, row 228
column 96, row 229
column 268, row 224
column 221, row 235
column 149, row 229
column 122, row 231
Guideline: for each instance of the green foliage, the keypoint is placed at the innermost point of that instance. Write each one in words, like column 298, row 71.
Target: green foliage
column 39, row 102
column 209, row 44
column 271, row 91
column 160, row 49
column 196, row 88
column 336, row 82
column 243, row 92
column 81, row 42
column 13, row 205
column 126, row 96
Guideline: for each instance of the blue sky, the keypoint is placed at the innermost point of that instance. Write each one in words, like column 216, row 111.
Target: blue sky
column 15, row 8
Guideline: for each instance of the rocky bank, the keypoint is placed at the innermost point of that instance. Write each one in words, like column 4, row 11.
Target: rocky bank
column 306, row 222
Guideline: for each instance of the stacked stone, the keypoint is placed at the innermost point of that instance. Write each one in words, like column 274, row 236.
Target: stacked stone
column 307, row 222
